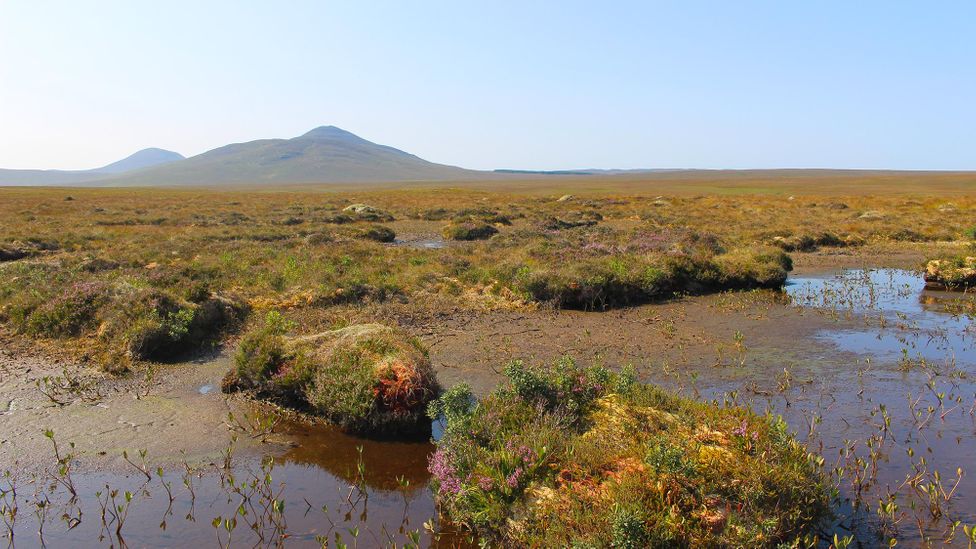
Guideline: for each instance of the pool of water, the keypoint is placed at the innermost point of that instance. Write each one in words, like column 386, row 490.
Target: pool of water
column 321, row 485
column 425, row 243
column 903, row 320
column 897, row 419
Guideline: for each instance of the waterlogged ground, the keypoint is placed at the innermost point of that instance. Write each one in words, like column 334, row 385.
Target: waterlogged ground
column 869, row 368
column 899, row 420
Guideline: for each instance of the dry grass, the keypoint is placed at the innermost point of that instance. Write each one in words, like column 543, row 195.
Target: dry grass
column 71, row 267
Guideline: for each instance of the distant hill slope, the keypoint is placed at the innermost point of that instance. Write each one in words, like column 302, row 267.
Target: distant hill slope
column 145, row 158
column 324, row 155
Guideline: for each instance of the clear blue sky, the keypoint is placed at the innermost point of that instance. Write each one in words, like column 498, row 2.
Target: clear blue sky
column 723, row 84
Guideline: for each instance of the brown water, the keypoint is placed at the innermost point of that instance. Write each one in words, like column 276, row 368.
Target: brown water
column 903, row 404
column 332, row 486
column 886, row 394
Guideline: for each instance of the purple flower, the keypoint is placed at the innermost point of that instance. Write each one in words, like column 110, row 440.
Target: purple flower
column 513, row 479
column 443, row 470
column 485, row 483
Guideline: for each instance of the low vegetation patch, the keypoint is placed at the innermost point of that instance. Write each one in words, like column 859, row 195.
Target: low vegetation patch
column 953, row 273
column 110, row 260
column 810, row 243
column 366, row 378
column 571, row 221
column 562, row 456
column 365, row 212
column 379, row 233
column 595, row 268
column 469, row 230
column 122, row 322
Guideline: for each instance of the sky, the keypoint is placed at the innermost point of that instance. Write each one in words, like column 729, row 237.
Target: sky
column 497, row 84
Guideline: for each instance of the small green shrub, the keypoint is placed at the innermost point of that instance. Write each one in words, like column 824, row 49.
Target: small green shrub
column 260, row 354
column 629, row 530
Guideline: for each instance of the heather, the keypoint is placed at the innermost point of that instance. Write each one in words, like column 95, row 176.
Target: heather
column 565, row 456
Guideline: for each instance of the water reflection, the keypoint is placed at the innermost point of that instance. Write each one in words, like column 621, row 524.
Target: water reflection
column 905, row 319
column 388, row 465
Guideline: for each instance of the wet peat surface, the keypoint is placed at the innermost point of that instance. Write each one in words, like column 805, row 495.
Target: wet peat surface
column 870, row 369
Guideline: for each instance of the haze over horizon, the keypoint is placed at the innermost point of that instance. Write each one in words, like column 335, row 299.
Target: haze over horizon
column 549, row 86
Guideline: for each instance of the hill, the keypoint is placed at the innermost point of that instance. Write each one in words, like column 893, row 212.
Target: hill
column 324, row 155
column 145, row 158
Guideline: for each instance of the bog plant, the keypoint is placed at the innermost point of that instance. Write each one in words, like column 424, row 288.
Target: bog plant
column 566, row 456
column 363, row 378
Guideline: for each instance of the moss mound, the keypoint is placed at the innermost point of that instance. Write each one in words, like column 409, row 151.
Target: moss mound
column 561, row 456
column 810, row 243
column 610, row 281
column 366, row 378
column 365, row 212
column 958, row 273
column 469, row 230
column 128, row 322
column 379, row 233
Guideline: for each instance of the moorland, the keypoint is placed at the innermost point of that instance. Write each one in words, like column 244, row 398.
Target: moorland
column 526, row 313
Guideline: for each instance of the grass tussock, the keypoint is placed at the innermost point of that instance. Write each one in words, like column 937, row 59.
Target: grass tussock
column 561, row 456
column 365, row 378
column 121, row 322
column 469, row 230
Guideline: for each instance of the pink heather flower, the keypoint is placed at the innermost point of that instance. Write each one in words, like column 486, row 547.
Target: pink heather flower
column 443, row 470
column 513, row 479
column 741, row 430
column 485, row 483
